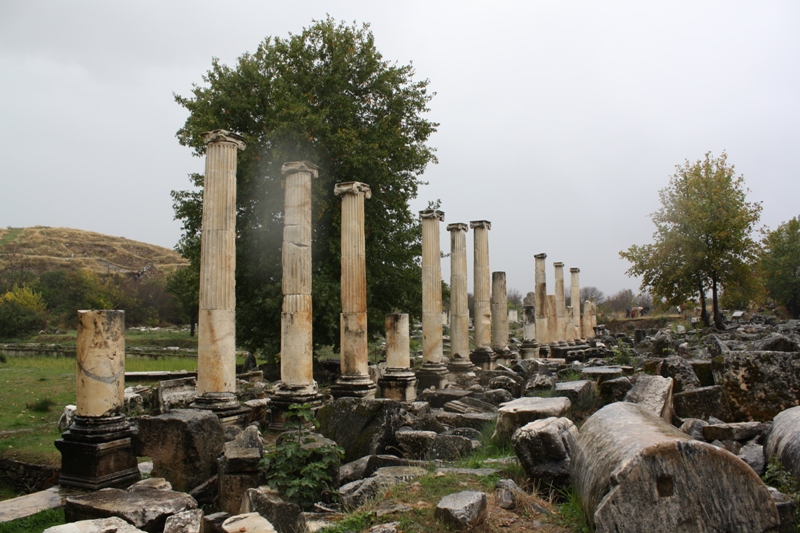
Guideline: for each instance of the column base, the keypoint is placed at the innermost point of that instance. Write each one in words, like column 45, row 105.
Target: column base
column 483, row 358
column 287, row 395
column 97, row 453
column 354, row 387
column 226, row 406
column 503, row 356
column 398, row 384
column 431, row 375
column 529, row 350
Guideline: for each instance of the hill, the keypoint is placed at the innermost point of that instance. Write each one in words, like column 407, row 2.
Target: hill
column 42, row 248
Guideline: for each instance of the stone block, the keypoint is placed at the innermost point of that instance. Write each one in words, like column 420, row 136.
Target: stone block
column 360, row 426
column 250, row 522
column 185, row 522
column 515, row 414
column 702, row 403
column 543, row 448
column 284, row 516
column 653, row 393
column 357, row 493
column 783, row 440
column 100, row 525
column 740, row 431
column 463, row 510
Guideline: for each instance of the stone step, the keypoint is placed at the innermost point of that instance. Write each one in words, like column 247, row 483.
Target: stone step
column 30, row 504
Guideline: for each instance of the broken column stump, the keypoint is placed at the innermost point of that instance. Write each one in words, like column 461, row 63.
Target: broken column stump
column 635, row 472
column 783, row 440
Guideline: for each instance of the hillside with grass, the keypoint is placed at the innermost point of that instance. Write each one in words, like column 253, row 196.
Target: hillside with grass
column 40, row 249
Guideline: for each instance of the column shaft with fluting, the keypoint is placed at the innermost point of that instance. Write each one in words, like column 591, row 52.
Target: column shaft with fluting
column 459, row 307
column 355, row 380
column 216, row 336
column 499, row 313
column 482, row 314
column 575, row 300
column 561, row 303
column 540, row 293
column 433, row 372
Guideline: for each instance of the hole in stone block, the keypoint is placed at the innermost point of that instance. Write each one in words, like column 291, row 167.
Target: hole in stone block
column 664, row 486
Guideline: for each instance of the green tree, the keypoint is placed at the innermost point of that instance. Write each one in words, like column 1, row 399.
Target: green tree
column 22, row 312
column 326, row 96
column 183, row 284
column 781, row 265
column 66, row 291
column 703, row 236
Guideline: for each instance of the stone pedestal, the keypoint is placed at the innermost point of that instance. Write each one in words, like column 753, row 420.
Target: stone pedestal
column 574, row 330
column 483, row 356
column 297, row 383
column 561, row 304
column 96, row 451
column 354, row 380
column 529, row 350
column 433, row 372
column 541, row 300
column 398, row 382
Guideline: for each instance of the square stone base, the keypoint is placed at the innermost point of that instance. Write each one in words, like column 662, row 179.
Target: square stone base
column 483, row 358
column 96, row 465
column 432, row 375
column 400, row 386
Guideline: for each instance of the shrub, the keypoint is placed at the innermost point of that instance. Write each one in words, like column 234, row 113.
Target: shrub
column 16, row 320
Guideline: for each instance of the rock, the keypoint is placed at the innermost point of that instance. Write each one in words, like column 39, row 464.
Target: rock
column 147, row 509
column 250, row 522
column 401, row 473
column 787, row 510
column 463, row 510
column 185, row 522
column 184, row 445
column 366, row 466
column 541, row 382
column 775, row 342
column 361, row 427
column 65, row 420
column 390, row 527
column 716, row 346
column 614, row 390
column 543, row 448
column 508, row 383
column 759, row 384
column 415, row 444
column 702, row 403
column 436, row 398
column 100, row 525
column 357, row 493
column 653, row 393
column 515, row 414
column 284, row 516
column 497, row 396
column 465, row 420
column 740, row 431
column 390, row 507
column 694, row 428
column 601, row 373
column 783, row 440
column 212, row 523
column 703, row 372
column 158, row 483
column 238, row 469
column 629, row 468
column 753, row 455
column 575, row 390
column 505, row 498
column 469, row 405
column 662, row 344
column 681, row 372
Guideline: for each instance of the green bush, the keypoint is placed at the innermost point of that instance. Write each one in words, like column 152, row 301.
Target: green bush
column 17, row 321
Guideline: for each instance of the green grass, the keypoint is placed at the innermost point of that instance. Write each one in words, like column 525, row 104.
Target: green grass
column 570, row 513
column 10, row 236
column 34, row 523
column 133, row 337
column 352, row 522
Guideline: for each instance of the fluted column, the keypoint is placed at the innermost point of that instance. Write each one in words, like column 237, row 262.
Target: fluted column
column 561, row 304
column 297, row 383
column 216, row 335
column 398, row 382
column 459, row 308
column 355, row 380
column 575, row 299
column 483, row 356
column 540, row 294
column 433, row 372
column 499, row 313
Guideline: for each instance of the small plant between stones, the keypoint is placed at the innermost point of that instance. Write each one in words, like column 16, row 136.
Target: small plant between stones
column 777, row 476
column 299, row 468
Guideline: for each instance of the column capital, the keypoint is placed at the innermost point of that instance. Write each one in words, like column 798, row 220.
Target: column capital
column 480, row 224
column 457, row 226
column 558, row 264
column 574, row 270
column 540, row 256
column 352, row 187
column 223, row 136
column 432, row 213
column 293, row 167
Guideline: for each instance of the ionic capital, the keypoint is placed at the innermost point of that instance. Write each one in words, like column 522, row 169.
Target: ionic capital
column 574, row 270
column 458, row 226
column 558, row 264
column 480, row 224
column 293, row 167
column 432, row 213
column 352, row 187
column 540, row 256
column 223, row 136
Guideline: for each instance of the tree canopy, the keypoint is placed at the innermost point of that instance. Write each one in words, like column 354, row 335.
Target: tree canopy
column 781, row 265
column 325, row 96
column 703, row 238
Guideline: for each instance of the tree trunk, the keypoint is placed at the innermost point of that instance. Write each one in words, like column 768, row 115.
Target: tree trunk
column 719, row 323
column 703, row 313
column 635, row 472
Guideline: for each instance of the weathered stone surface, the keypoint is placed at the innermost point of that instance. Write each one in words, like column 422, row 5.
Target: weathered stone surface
column 465, row 420
column 415, row 444
column 463, row 510
column 212, row 523
column 694, row 428
column 573, row 390
column 497, row 396
column 543, row 448
column 681, row 372
column 437, row 398
column 703, row 403
column 147, row 509
column 614, row 390
column 185, row 522
column 450, row 447
column 601, row 373
column 100, row 525
column 249, row 522
column 740, row 431
column 158, row 483
column 515, row 414
column 653, row 393
column 508, row 383
column 284, row 516
column 357, row 493
column 635, row 472
column 787, row 511
column 759, row 385
column 401, row 473
column 775, row 342
column 783, row 440
column 366, row 466
column 361, row 427
column 233, row 487
column 184, row 445
column 753, row 455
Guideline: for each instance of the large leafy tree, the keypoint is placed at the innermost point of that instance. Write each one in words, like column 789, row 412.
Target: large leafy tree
column 703, row 236
column 325, row 96
column 781, row 265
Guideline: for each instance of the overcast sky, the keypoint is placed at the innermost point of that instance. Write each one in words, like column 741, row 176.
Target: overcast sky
column 559, row 121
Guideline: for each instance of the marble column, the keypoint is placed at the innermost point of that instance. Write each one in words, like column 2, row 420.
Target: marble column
column 297, row 383
column 483, row 356
column 552, row 320
column 398, row 382
column 529, row 349
column 541, row 300
column 97, row 450
column 588, row 331
column 593, row 314
column 433, row 372
column 459, row 308
column 355, row 380
column 575, row 300
column 216, row 334
column 561, row 303
column 500, row 317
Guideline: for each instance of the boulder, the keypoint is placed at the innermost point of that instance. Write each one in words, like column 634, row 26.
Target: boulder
column 515, row 414
column 285, row 517
column 366, row 466
column 357, row 493
column 185, row 522
column 681, row 372
column 249, row 522
column 614, row 390
column 702, row 403
column 147, row 509
column 497, row 396
column 184, row 445
column 436, row 398
column 753, row 455
column 100, row 525
column 362, row 427
column 653, row 393
column 576, row 390
column 775, row 342
column 463, row 510
column 783, row 440
column 759, row 384
column 635, row 472
column 543, row 448
column 465, row 420
column 694, row 428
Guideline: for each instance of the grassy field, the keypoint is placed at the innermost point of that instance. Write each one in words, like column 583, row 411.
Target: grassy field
column 163, row 338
